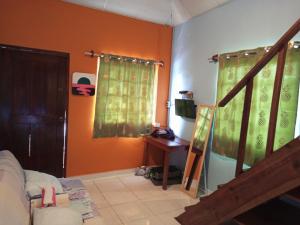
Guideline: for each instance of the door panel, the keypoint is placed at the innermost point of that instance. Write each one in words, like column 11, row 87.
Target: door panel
column 49, row 159
column 5, row 99
column 20, row 144
column 21, row 84
column 44, row 86
column 35, row 86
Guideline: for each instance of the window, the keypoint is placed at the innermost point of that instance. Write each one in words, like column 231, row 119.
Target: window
column 126, row 97
column 232, row 68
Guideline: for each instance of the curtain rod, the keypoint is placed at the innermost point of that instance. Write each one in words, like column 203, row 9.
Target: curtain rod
column 93, row 54
column 215, row 58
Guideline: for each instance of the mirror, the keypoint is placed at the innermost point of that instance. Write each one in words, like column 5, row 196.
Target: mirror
column 196, row 155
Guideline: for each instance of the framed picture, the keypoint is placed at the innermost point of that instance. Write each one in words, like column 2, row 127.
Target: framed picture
column 83, row 84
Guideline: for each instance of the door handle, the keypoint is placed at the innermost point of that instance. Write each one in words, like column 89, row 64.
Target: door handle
column 29, row 145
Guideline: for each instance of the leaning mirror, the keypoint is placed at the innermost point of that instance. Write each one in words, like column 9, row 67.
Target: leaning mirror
column 196, row 155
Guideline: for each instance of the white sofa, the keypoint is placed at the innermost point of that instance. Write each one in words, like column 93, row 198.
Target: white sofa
column 14, row 204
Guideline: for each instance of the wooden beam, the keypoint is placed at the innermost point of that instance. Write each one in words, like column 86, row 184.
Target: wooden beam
column 261, row 63
column 275, row 100
column 270, row 178
column 244, row 129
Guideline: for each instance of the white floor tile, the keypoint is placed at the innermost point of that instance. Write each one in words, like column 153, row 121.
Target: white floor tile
column 132, row 211
column 134, row 200
column 108, row 185
column 92, row 188
column 167, row 205
column 107, row 217
column 146, row 221
column 172, row 194
column 87, row 182
column 169, row 218
column 150, row 194
column 100, row 201
column 118, row 197
column 137, row 183
column 128, row 180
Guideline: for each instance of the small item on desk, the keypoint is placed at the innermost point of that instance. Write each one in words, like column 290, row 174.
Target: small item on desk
column 164, row 133
column 156, row 125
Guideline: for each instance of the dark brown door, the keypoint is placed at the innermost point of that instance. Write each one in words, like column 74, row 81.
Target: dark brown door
column 33, row 104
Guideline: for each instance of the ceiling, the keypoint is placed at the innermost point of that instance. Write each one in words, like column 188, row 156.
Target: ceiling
column 170, row 12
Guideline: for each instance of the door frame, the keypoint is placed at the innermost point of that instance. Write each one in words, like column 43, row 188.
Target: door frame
column 66, row 56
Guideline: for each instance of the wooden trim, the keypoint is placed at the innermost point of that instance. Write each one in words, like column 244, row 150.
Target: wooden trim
column 244, row 129
column 202, row 157
column 67, row 113
column 35, row 50
column 275, row 100
column 261, row 63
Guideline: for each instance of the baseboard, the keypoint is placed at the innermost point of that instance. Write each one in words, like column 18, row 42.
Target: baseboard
column 114, row 173
column 205, row 193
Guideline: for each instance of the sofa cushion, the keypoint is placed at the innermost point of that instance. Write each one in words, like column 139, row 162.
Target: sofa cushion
column 57, row 216
column 14, row 207
column 9, row 163
column 35, row 181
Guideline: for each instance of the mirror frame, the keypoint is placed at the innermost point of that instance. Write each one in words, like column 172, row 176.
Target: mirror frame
column 191, row 193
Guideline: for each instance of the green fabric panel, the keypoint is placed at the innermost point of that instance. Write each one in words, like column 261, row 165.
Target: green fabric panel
column 228, row 119
column 202, row 127
column 124, row 101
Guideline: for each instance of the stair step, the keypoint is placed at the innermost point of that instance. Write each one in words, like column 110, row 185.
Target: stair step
column 274, row 212
column 294, row 194
column 292, row 197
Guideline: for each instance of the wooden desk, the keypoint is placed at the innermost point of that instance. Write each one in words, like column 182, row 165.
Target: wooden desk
column 167, row 146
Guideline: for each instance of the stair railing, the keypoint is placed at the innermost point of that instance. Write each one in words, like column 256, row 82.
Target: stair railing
column 281, row 48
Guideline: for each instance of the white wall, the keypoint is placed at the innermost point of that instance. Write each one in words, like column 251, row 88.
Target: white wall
column 240, row 24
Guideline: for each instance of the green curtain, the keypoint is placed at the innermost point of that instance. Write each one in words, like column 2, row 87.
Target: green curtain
column 232, row 68
column 125, row 96
column 202, row 127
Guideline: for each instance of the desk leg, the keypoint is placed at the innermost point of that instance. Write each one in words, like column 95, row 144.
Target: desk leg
column 145, row 159
column 166, row 170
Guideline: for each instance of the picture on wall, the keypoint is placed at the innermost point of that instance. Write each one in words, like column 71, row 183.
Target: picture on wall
column 83, row 84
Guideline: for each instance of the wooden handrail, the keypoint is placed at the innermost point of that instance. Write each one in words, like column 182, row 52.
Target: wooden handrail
column 261, row 63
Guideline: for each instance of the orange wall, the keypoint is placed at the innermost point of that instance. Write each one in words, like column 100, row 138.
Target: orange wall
column 60, row 26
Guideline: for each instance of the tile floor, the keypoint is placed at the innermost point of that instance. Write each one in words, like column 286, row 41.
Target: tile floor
column 134, row 200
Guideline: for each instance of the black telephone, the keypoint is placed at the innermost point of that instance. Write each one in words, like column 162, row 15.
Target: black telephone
column 166, row 133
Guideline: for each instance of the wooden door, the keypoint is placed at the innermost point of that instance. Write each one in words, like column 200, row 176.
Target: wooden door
column 33, row 103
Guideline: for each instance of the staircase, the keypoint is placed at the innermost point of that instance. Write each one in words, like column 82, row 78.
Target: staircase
column 279, row 211
column 268, row 193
